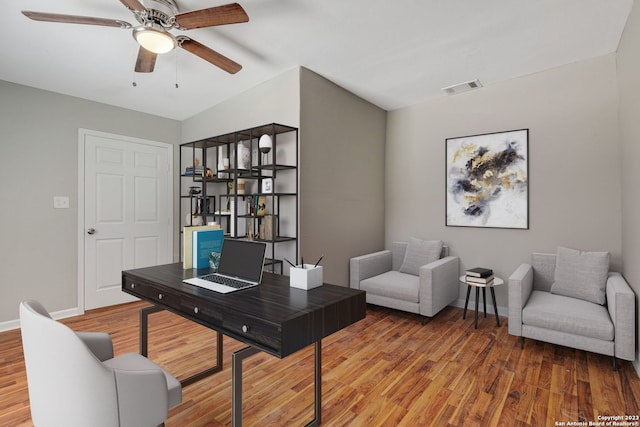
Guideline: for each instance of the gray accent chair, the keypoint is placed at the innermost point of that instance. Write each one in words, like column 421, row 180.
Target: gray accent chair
column 74, row 380
column 435, row 286
column 535, row 312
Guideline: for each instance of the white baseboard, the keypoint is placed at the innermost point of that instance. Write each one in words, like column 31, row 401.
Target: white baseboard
column 62, row 314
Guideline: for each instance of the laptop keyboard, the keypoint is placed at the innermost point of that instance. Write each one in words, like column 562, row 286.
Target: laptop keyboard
column 227, row 281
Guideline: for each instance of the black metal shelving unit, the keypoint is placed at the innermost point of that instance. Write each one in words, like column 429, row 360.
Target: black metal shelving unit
column 221, row 200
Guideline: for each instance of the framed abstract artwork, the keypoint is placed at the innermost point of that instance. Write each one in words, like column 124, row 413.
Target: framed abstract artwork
column 488, row 180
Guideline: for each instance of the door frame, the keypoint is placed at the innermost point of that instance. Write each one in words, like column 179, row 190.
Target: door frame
column 81, row 218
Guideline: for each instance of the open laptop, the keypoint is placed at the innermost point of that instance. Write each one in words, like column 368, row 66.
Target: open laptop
column 241, row 266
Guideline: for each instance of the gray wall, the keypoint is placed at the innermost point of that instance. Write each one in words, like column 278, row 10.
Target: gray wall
column 574, row 165
column 342, row 176
column 629, row 113
column 39, row 160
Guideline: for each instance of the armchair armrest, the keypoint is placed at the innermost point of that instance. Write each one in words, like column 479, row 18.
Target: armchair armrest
column 99, row 343
column 142, row 396
column 366, row 266
column 439, row 285
column 520, row 287
column 621, row 303
column 145, row 391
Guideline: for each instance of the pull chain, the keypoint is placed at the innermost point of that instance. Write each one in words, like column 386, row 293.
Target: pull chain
column 176, row 56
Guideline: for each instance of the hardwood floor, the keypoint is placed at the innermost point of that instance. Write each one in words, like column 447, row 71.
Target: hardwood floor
column 386, row 370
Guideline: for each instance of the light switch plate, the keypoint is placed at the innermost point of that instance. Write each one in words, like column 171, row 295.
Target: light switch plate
column 61, row 202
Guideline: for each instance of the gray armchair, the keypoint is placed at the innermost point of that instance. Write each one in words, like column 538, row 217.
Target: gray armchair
column 74, row 380
column 600, row 319
column 416, row 276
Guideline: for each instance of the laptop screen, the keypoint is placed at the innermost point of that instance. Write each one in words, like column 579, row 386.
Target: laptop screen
column 242, row 259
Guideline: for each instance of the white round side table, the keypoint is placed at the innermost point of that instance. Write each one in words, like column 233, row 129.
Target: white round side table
column 496, row 282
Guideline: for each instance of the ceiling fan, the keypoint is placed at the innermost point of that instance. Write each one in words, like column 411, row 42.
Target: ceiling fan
column 156, row 18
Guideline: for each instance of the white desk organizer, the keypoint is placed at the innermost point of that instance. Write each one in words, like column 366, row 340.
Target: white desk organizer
column 307, row 277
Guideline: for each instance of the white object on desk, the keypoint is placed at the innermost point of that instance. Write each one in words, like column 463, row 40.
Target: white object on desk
column 305, row 277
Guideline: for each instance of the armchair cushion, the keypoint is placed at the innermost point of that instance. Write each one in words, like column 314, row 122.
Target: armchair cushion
column 143, row 387
column 420, row 252
column 581, row 274
column 565, row 314
column 393, row 284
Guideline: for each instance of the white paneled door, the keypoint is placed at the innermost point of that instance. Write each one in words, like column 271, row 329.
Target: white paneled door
column 127, row 215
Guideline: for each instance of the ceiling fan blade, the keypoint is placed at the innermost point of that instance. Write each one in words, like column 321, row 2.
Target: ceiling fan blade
column 209, row 55
column 146, row 61
column 133, row 5
column 231, row 13
column 75, row 19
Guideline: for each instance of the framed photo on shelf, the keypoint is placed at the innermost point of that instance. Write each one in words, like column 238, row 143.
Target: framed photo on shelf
column 487, row 180
column 267, row 185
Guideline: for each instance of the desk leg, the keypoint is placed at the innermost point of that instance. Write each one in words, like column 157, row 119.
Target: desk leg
column 144, row 343
column 236, row 384
column 144, row 326
column 495, row 306
column 317, row 408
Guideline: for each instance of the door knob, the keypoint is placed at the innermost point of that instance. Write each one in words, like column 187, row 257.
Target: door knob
column 91, row 231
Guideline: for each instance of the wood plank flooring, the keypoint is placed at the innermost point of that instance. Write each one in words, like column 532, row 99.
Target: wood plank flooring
column 386, row 370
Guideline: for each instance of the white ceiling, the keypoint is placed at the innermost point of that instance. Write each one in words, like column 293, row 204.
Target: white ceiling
column 393, row 53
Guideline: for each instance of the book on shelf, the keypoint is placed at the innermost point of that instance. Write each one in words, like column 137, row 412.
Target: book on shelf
column 193, row 170
column 480, row 280
column 207, row 246
column 187, row 243
column 261, row 205
column 479, row 272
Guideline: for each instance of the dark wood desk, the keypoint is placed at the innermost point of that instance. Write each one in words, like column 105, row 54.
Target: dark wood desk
column 272, row 317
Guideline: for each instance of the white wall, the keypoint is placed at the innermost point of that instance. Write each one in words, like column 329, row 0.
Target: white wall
column 39, row 160
column 629, row 112
column 574, row 166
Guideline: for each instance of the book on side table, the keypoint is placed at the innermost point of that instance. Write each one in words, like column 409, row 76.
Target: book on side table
column 479, row 275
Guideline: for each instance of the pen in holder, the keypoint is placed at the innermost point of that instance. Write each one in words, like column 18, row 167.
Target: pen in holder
column 305, row 276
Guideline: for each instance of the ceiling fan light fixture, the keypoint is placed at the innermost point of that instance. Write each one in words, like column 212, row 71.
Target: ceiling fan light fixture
column 154, row 38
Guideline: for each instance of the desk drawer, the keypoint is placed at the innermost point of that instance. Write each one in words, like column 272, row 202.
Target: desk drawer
column 152, row 293
column 199, row 309
column 234, row 324
column 265, row 333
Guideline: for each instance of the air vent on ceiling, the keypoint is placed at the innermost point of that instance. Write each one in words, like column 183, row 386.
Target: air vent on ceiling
column 462, row 87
